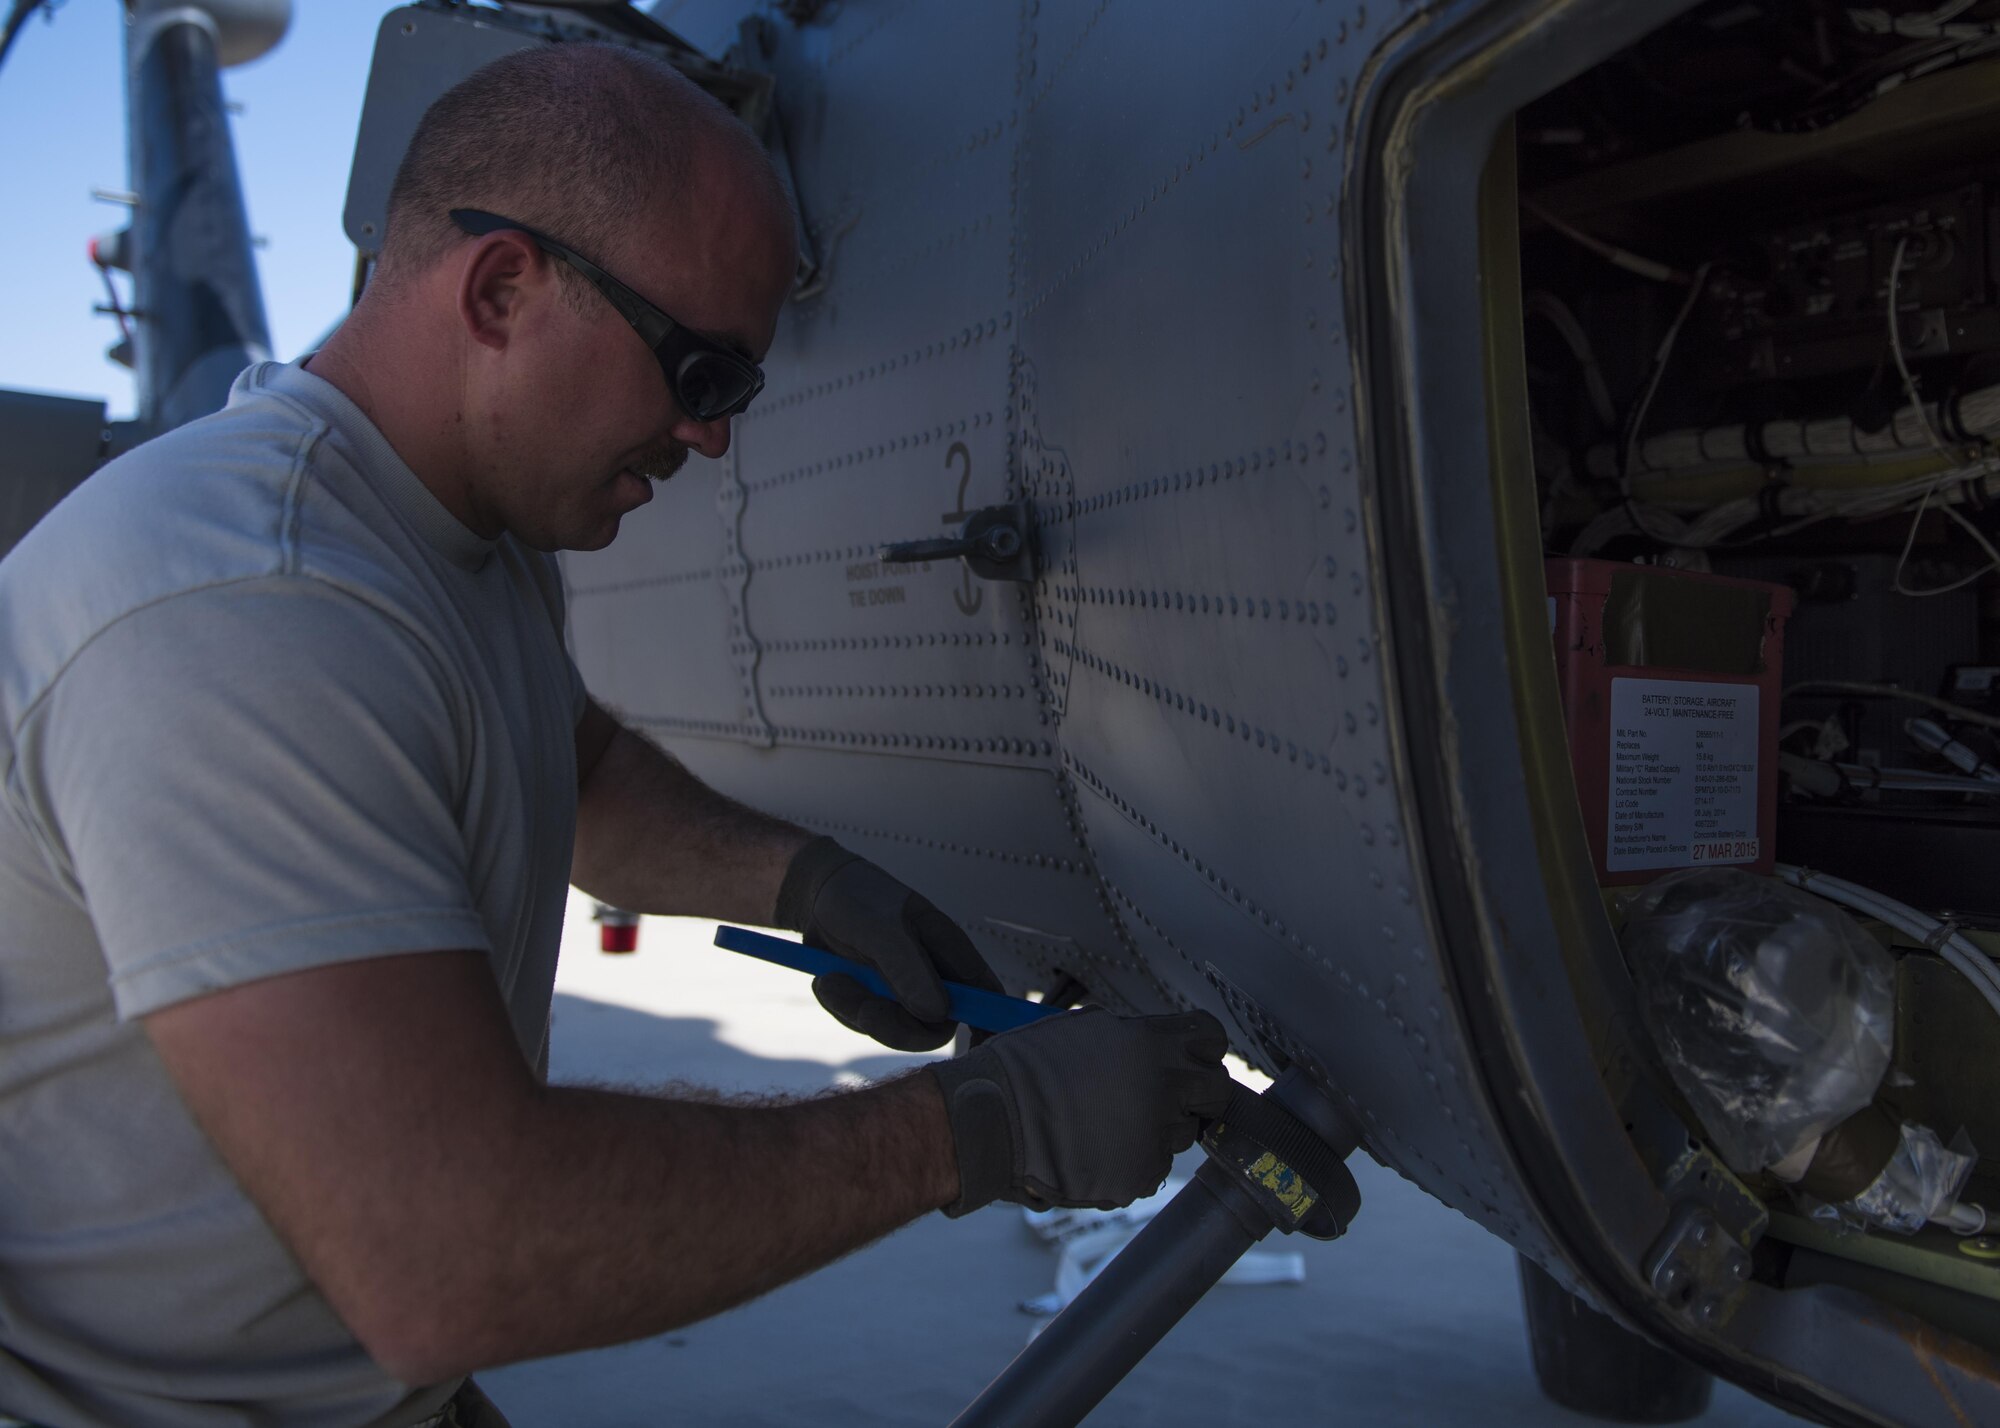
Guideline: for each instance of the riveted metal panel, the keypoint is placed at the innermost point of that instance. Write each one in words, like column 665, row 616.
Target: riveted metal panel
column 418, row 55
column 888, row 416
column 651, row 617
column 1083, row 257
column 1188, row 429
column 1077, row 256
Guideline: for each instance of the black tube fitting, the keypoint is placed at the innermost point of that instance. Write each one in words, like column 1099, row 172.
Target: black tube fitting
column 1234, row 1200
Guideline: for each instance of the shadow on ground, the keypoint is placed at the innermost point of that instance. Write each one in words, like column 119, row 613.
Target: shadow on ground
column 1413, row 1319
column 599, row 1042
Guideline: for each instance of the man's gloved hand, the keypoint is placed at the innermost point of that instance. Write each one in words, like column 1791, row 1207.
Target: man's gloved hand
column 847, row 905
column 1085, row 1108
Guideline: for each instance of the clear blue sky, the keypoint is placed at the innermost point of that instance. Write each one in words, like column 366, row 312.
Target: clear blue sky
column 62, row 132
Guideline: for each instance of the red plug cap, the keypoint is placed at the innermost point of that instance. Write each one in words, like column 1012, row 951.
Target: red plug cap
column 617, row 937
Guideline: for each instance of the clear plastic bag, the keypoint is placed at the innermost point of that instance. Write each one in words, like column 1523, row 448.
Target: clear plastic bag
column 1773, row 1010
column 1920, row 1182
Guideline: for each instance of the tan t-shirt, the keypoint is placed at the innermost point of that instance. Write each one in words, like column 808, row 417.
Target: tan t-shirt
column 264, row 706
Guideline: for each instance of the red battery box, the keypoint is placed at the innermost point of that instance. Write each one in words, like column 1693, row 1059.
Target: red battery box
column 1670, row 687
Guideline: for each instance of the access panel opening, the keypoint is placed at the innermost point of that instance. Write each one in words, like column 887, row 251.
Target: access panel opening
column 1760, row 297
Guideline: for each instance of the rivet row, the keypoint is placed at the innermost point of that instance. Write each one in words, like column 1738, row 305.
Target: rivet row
column 648, row 582
column 899, row 264
column 941, row 845
column 1210, row 715
column 1248, row 607
column 1215, row 880
column 967, row 336
column 874, row 452
column 897, row 691
column 850, row 738
column 1193, row 478
column 1259, row 99
column 1064, row 63
column 972, row 639
column 1073, row 812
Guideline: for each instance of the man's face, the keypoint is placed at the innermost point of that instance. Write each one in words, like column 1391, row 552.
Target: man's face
column 585, row 421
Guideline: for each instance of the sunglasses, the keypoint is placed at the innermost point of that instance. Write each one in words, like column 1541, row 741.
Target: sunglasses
column 709, row 380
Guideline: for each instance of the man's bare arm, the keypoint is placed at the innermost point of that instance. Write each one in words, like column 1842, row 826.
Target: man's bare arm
column 458, row 1215
column 651, row 837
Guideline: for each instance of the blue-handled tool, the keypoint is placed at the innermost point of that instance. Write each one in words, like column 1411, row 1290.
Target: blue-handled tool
column 987, row 1011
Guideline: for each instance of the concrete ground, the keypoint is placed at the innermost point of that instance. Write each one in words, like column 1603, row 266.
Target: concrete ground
column 1413, row 1318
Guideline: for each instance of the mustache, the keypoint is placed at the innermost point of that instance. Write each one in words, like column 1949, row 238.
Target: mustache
column 661, row 463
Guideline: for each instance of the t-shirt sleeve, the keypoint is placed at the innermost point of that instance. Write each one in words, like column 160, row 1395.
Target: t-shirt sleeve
column 254, row 780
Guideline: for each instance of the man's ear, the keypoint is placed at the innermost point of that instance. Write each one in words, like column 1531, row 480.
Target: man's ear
column 498, row 273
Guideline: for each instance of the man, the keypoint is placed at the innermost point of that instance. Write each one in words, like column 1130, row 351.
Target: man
column 297, row 770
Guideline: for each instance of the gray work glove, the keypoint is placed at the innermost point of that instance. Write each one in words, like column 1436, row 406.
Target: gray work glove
column 847, row 905
column 1085, row 1108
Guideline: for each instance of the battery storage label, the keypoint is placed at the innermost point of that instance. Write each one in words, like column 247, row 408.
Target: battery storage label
column 1683, row 774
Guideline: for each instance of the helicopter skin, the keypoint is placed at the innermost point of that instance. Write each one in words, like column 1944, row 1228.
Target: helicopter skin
column 1271, row 728
column 1219, row 314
